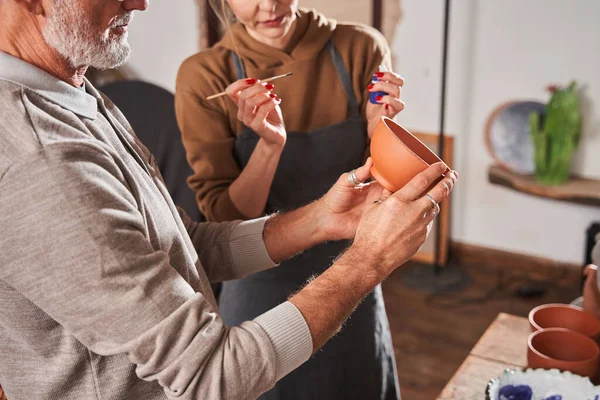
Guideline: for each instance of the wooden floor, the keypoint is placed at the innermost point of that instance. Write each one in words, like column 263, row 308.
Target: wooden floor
column 432, row 335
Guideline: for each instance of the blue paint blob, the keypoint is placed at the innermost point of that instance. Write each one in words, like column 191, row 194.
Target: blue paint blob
column 510, row 392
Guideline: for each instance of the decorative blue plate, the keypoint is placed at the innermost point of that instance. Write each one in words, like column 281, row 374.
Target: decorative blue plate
column 507, row 135
column 541, row 384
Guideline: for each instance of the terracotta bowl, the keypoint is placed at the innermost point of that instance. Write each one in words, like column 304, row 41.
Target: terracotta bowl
column 397, row 155
column 563, row 349
column 564, row 316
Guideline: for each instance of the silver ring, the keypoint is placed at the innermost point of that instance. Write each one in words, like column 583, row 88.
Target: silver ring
column 431, row 199
column 352, row 178
column 435, row 209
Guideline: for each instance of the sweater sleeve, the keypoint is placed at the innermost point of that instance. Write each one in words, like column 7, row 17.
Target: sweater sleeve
column 74, row 244
column 229, row 250
column 208, row 139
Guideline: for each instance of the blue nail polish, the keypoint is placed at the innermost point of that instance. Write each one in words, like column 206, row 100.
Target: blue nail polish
column 373, row 95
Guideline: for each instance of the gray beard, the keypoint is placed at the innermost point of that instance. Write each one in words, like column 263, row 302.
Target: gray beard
column 73, row 37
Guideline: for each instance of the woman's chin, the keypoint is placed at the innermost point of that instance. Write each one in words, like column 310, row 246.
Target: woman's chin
column 272, row 34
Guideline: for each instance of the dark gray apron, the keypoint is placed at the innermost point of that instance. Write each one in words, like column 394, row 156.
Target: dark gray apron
column 358, row 363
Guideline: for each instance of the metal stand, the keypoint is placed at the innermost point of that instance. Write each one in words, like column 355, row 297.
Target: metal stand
column 436, row 278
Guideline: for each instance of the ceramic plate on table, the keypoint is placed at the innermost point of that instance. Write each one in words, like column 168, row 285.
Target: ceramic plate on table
column 541, row 384
column 507, row 135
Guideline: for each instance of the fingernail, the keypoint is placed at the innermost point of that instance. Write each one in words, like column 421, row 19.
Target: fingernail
column 455, row 174
column 442, row 167
column 270, row 86
column 371, row 86
column 387, row 106
column 379, row 74
column 378, row 98
column 272, row 95
column 250, row 81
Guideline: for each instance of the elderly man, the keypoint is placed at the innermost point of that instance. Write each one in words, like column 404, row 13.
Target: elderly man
column 104, row 283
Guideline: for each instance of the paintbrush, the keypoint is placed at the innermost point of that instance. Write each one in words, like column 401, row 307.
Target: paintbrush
column 214, row 96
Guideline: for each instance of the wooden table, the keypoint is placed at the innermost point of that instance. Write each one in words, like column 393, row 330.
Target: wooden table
column 503, row 345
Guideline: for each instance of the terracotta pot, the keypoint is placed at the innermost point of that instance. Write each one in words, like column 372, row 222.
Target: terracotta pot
column 397, row 155
column 564, row 316
column 563, row 349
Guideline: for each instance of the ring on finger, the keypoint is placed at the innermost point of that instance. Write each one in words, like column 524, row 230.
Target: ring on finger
column 435, row 209
column 353, row 179
column 431, row 199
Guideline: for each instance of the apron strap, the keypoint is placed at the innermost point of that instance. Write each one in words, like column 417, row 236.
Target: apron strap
column 345, row 78
column 338, row 63
column 240, row 72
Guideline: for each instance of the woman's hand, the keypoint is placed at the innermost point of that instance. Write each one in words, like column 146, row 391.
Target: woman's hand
column 390, row 105
column 258, row 109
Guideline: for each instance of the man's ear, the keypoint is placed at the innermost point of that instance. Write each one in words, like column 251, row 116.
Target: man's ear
column 35, row 7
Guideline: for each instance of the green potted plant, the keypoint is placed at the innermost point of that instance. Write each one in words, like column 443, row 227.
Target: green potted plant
column 555, row 135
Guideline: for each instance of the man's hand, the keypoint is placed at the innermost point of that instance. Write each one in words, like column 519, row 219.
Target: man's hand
column 343, row 205
column 389, row 232
column 334, row 216
column 392, row 231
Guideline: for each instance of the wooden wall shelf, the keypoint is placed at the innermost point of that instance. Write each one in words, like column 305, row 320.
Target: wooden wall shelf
column 577, row 190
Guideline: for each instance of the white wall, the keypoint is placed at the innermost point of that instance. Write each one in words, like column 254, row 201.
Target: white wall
column 161, row 38
column 353, row 10
column 500, row 50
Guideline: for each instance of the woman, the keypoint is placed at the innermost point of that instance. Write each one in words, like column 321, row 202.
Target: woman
column 272, row 146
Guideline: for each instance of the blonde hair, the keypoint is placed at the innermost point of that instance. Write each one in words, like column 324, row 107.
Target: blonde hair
column 226, row 17
column 222, row 11
column 224, row 14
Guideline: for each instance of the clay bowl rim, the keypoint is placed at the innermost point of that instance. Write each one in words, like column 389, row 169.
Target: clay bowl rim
column 571, row 332
column 560, row 305
column 385, row 120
